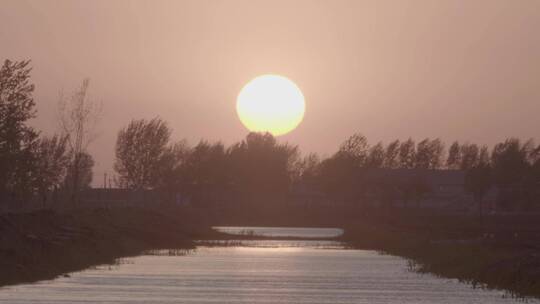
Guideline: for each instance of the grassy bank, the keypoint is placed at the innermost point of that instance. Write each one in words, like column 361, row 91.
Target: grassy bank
column 43, row 245
column 497, row 253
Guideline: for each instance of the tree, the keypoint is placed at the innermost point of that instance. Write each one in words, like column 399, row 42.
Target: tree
column 206, row 164
column 17, row 138
column 375, row 157
column 535, row 173
column 422, row 156
column 429, row 154
column 436, row 153
column 510, row 162
column 453, row 161
column 356, row 149
column 261, row 167
column 484, row 156
column 478, row 181
column 84, row 173
column 140, row 151
column 391, row 155
column 307, row 169
column 52, row 161
column 338, row 178
column 78, row 117
column 173, row 176
column 511, row 171
column 469, row 156
column 407, row 154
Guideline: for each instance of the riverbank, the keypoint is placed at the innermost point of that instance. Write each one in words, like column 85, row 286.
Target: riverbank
column 46, row 244
column 495, row 253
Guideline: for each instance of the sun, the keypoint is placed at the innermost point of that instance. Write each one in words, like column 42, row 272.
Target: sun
column 271, row 103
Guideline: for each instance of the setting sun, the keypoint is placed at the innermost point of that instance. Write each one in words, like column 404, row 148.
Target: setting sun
column 271, row 103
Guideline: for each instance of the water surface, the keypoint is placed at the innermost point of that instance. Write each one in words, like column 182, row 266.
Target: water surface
column 255, row 272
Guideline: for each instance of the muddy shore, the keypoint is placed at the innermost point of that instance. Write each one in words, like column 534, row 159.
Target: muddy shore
column 46, row 244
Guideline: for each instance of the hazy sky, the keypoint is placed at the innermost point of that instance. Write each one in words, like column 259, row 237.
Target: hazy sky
column 465, row 70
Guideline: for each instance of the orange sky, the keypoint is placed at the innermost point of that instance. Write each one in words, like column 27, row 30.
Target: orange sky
column 466, row 70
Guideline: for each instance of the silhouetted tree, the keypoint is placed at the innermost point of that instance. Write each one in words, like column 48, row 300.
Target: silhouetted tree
column 478, row 181
column 173, row 176
column 84, row 173
column 78, row 116
column 407, row 154
column 534, row 181
column 436, row 153
column 51, row 163
column 484, row 156
column 207, row 171
column 376, row 155
column 262, row 167
column 429, row 154
column 356, row 149
column 339, row 178
column 469, row 156
column 340, row 173
column 423, row 154
column 511, row 171
column 509, row 162
column 17, row 138
column 453, row 161
column 307, row 169
column 391, row 155
column 140, row 150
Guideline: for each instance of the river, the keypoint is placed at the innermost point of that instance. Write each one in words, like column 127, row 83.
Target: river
column 269, row 271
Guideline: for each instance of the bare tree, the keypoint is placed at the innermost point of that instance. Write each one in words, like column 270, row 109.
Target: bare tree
column 84, row 171
column 78, row 117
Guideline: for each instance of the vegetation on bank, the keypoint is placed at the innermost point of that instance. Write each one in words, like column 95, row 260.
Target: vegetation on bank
column 46, row 244
column 493, row 252
column 496, row 252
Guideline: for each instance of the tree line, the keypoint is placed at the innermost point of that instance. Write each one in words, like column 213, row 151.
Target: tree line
column 259, row 166
column 32, row 164
column 512, row 167
column 146, row 157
